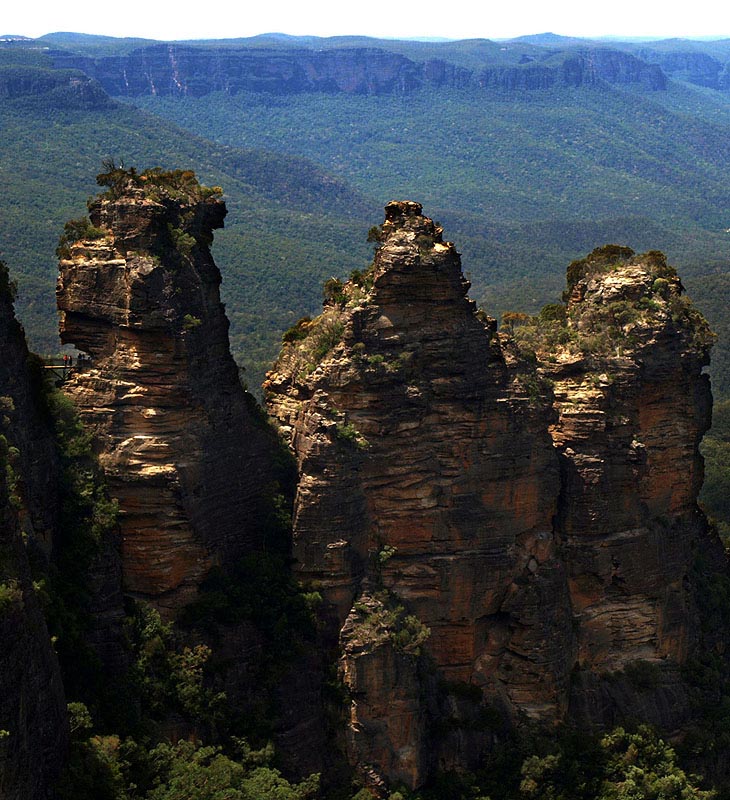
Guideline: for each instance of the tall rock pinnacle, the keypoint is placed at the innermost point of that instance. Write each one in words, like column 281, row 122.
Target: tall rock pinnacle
column 519, row 506
column 138, row 293
column 429, row 481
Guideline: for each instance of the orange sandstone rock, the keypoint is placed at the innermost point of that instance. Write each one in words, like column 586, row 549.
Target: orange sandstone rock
column 426, row 467
column 159, row 388
column 528, row 498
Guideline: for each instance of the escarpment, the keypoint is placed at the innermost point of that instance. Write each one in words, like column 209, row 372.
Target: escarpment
column 185, row 70
column 138, row 293
column 507, row 515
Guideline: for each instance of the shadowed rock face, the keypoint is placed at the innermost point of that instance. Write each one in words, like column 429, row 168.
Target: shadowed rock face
column 427, row 473
column 160, row 389
column 521, row 520
column 32, row 703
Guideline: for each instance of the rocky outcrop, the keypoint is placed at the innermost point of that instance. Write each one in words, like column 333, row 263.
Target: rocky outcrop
column 633, row 405
column 33, row 724
column 57, row 88
column 427, row 472
column 176, row 69
column 693, row 67
column 510, row 516
column 582, row 68
column 139, row 296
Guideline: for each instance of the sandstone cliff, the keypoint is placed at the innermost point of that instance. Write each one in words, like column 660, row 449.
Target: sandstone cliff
column 427, row 473
column 178, row 69
column 626, row 360
column 33, row 724
column 56, row 88
column 139, row 295
column 507, row 517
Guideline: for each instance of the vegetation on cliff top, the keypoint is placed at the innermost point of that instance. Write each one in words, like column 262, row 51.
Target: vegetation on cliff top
column 639, row 297
column 156, row 183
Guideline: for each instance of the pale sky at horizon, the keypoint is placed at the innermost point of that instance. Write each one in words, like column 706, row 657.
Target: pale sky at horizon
column 457, row 19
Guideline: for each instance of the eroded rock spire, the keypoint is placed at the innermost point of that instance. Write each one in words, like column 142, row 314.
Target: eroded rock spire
column 138, row 293
column 518, row 508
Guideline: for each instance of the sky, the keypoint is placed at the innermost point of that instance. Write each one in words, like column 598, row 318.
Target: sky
column 453, row 19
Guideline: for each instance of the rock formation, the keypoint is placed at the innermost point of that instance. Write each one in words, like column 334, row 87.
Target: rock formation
column 510, row 516
column 633, row 406
column 33, row 724
column 63, row 88
column 139, row 296
column 178, row 69
column 428, row 479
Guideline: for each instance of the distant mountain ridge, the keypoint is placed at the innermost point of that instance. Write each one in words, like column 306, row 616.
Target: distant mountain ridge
column 704, row 63
column 196, row 70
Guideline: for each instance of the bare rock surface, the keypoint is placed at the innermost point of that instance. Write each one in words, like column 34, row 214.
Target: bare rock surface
column 515, row 512
column 139, row 296
column 426, row 468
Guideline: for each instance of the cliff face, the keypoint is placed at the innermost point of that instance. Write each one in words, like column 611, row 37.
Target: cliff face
column 584, row 68
column 139, row 294
column 483, row 520
column 174, row 69
column 33, row 724
column 698, row 68
column 56, row 88
column 428, row 480
column 633, row 405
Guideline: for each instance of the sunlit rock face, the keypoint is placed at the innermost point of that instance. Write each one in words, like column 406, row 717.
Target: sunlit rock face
column 139, row 296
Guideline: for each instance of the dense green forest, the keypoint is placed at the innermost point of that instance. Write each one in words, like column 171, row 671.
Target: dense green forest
column 511, row 178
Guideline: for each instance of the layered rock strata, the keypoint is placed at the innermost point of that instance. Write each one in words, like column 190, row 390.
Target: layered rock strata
column 179, row 69
column 138, row 293
column 633, row 405
column 427, row 472
column 516, row 510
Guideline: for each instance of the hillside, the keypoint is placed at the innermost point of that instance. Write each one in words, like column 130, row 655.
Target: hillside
column 525, row 182
column 290, row 224
column 531, row 152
